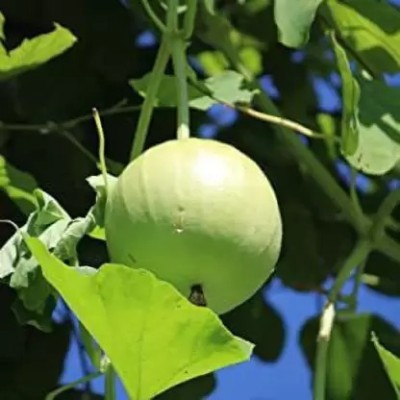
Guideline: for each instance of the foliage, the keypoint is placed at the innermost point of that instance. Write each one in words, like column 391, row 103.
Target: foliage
column 257, row 60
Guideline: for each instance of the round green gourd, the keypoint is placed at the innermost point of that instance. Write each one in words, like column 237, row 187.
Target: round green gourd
column 196, row 212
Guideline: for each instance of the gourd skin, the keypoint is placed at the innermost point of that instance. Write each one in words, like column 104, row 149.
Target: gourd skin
column 196, row 211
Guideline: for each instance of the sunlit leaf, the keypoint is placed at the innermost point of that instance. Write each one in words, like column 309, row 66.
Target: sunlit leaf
column 294, row 19
column 351, row 97
column 378, row 148
column 370, row 29
column 34, row 52
column 192, row 341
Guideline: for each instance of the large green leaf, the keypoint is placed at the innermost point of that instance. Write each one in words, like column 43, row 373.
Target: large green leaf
column 351, row 97
column 371, row 29
column 391, row 364
column 33, row 52
column 227, row 86
column 154, row 337
column 354, row 370
column 378, row 149
column 294, row 19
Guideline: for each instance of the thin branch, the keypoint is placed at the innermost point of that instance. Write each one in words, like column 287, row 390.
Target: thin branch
column 71, row 138
column 385, row 210
column 273, row 119
column 262, row 116
column 72, row 385
column 63, row 128
column 153, row 16
column 67, row 124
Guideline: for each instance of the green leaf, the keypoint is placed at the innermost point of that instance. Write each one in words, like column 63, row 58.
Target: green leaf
column 122, row 310
column 294, row 19
column 47, row 222
column 391, row 364
column 354, row 369
column 378, row 149
column 18, row 186
column 227, row 86
column 370, row 29
column 61, row 235
column 34, row 52
column 351, row 98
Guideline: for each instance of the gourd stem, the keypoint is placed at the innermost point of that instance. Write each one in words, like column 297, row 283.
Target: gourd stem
column 179, row 61
column 109, row 384
column 178, row 49
column 151, row 94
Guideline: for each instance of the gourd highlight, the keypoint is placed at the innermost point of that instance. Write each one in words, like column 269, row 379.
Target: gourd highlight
column 198, row 214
